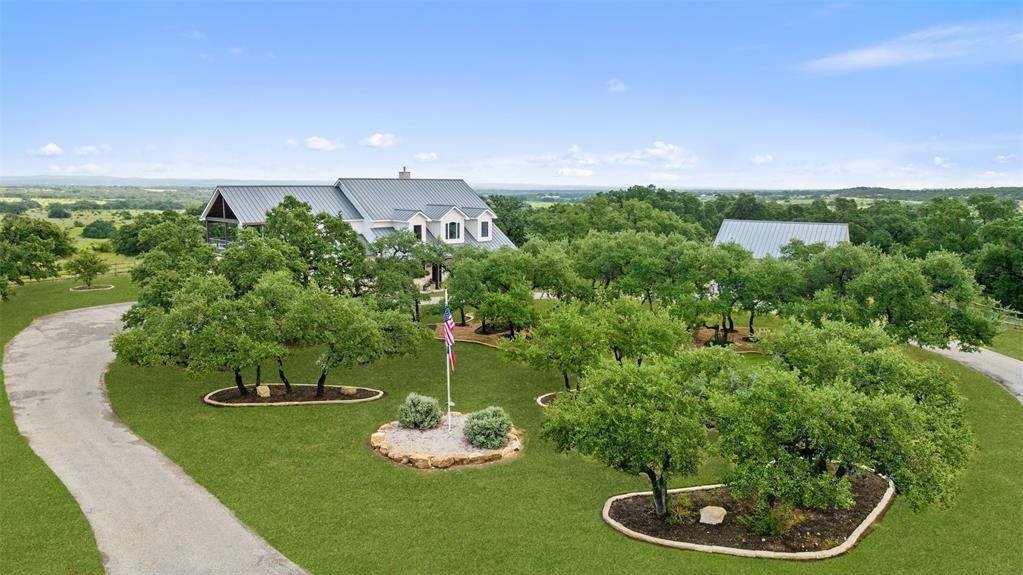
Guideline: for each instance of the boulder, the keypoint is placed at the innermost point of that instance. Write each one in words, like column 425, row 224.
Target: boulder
column 712, row 515
column 377, row 439
column 263, row 391
column 442, row 462
column 349, row 391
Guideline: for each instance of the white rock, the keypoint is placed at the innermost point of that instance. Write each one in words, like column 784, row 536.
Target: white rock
column 712, row 514
column 263, row 390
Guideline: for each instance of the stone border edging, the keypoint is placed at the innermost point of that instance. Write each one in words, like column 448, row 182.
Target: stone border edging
column 427, row 462
column 101, row 287
column 208, row 398
column 845, row 546
column 540, row 397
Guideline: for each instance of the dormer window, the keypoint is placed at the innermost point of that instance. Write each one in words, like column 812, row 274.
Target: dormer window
column 484, row 230
column 417, row 230
column 452, row 231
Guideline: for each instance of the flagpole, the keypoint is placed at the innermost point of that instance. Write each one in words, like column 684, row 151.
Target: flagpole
column 447, row 364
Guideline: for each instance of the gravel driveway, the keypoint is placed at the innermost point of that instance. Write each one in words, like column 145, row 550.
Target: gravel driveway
column 1007, row 371
column 147, row 514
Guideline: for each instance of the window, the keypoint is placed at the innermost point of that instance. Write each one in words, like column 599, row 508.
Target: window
column 452, row 231
column 417, row 230
column 484, row 229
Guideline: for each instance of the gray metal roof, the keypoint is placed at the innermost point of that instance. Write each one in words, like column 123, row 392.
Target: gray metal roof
column 764, row 238
column 378, row 198
column 250, row 203
column 403, row 215
column 497, row 239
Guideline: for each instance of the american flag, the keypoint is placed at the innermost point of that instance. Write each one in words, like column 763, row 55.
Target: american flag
column 449, row 335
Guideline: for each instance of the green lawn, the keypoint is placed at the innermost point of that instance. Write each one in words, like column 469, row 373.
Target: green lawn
column 305, row 479
column 42, row 530
column 1009, row 342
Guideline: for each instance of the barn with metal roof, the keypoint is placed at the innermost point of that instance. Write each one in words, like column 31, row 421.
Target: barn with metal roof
column 766, row 238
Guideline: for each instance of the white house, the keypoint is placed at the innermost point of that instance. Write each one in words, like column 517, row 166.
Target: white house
column 448, row 210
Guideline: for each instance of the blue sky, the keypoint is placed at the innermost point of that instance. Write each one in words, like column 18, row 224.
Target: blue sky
column 731, row 94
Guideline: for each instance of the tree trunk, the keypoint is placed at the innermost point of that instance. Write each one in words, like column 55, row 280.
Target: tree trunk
column 568, row 386
column 731, row 324
column 416, row 316
column 238, row 382
column 659, row 487
column 511, row 326
column 284, row 378
column 639, row 362
column 752, row 312
column 320, row 389
column 483, row 319
column 259, row 374
column 461, row 310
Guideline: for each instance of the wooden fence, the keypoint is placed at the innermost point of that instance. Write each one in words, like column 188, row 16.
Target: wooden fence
column 116, row 269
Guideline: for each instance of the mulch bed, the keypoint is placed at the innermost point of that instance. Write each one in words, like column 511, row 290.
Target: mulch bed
column 299, row 393
column 738, row 339
column 812, row 530
column 547, row 399
column 470, row 333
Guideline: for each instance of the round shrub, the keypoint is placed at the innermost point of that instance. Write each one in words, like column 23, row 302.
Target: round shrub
column 488, row 428
column 419, row 412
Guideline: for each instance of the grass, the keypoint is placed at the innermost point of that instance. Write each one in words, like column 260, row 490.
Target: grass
column 85, row 217
column 305, row 480
column 1009, row 342
column 42, row 529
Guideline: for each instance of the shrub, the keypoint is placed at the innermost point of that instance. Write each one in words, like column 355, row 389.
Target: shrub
column 100, row 229
column 769, row 521
column 488, row 428
column 419, row 412
column 680, row 509
column 104, row 247
column 57, row 211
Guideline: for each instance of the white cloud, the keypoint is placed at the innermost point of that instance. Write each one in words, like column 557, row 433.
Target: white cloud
column 762, row 159
column 320, row 143
column 291, row 143
column 80, row 169
column 380, row 140
column 426, row 156
column 669, row 155
column 93, row 150
column 50, row 149
column 941, row 162
column 977, row 42
column 197, row 34
column 616, row 85
column 575, row 172
column 236, row 51
column 1004, row 158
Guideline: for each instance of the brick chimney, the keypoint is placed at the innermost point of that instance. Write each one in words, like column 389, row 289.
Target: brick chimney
column 404, row 174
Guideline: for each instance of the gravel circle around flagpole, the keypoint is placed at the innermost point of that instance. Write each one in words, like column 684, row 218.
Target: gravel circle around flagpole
column 843, row 547
column 438, row 448
column 98, row 287
column 208, row 398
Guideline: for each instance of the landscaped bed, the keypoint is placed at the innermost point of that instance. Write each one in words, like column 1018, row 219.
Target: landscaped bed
column 546, row 399
column 810, row 531
column 439, row 448
column 300, row 394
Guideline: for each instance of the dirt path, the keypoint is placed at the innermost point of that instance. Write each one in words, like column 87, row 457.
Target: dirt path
column 147, row 514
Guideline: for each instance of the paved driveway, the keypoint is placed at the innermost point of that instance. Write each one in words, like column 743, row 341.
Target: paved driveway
column 147, row 514
column 1007, row 371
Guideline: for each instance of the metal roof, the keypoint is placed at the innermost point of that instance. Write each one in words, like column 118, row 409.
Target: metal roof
column 250, row 203
column 497, row 239
column 764, row 238
column 378, row 198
